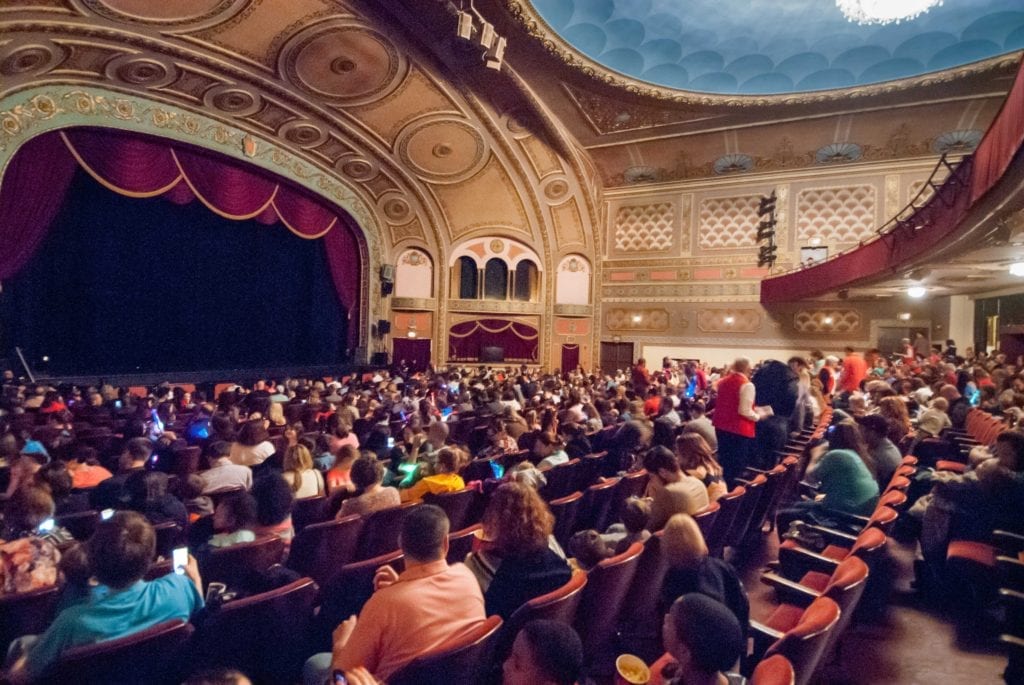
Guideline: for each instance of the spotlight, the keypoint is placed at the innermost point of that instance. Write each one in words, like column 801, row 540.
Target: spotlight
column 1017, row 269
column 917, row 291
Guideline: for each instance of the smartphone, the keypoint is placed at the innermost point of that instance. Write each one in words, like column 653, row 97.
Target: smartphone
column 118, row 404
column 179, row 560
column 106, row 514
column 339, row 678
column 446, row 413
column 391, row 442
column 46, row 526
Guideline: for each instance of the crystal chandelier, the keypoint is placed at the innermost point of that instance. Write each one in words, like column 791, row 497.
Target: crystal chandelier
column 884, row 11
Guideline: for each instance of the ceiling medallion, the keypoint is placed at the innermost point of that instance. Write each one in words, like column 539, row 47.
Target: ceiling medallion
column 733, row 164
column 838, row 153
column 884, row 11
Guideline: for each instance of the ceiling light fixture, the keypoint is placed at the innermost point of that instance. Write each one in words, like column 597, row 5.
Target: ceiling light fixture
column 1017, row 269
column 903, row 316
column 917, row 291
column 866, row 12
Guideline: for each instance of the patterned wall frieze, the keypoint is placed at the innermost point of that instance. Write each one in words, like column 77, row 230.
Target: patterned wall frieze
column 573, row 310
column 732, row 341
column 495, row 306
column 682, row 292
column 837, row 215
column 622, row 319
column 892, row 195
column 414, row 303
column 827, row 321
column 726, row 320
column 620, row 265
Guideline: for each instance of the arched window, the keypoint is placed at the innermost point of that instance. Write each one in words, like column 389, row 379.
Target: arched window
column 526, row 281
column 495, row 279
column 468, row 278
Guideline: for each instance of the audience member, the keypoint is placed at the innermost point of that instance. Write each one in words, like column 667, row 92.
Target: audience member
column 304, row 480
column 544, row 653
column 112, row 493
column 370, row 495
column 253, row 446
column 223, row 473
column 28, row 560
column 446, row 479
column 697, row 460
column 704, row 641
column 671, row 491
column 274, row 501
column 409, row 613
column 734, row 420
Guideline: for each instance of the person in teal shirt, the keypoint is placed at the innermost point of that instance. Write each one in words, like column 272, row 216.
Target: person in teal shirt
column 119, row 554
column 845, row 474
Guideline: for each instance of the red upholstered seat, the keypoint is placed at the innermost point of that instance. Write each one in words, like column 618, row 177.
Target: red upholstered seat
column 815, row 580
column 25, row 613
column 309, row 510
column 835, row 552
column 804, row 644
column 784, row 617
column 607, row 586
column 229, row 564
column 947, row 465
column 458, row 505
column 729, row 504
column 380, row 531
column 560, row 605
column 910, row 460
column 462, row 659
column 566, row 511
column 978, row 552
column 705, row 518
column 775, row 670
column 152, row 656
column 322, row 549
column 596, row 508
column 460, row 543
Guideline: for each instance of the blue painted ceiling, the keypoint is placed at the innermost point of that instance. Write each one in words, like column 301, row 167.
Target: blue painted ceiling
column 778, row 46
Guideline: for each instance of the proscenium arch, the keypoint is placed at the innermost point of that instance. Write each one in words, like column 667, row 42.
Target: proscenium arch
column 32, row 112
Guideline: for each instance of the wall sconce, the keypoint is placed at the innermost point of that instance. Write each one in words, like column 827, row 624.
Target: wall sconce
column 729, row 320
column 827, row 320
column 903, row 316
column 411, row 334
column 637, row 318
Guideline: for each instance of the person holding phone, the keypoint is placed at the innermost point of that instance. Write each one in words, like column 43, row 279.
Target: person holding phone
column 119, row 554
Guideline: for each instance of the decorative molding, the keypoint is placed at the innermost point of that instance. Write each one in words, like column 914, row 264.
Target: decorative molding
column 573, row 310
column 621, row 319
column 750, row 291
column 495, row 306
column 413, row 303
column 826, row 321
column 728, row 320
column 537, row 28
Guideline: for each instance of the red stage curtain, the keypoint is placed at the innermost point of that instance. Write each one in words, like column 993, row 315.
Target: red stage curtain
column 415, row 352
column 30, row 197
column 33, row 188
column 518, row 340
column 570, row 358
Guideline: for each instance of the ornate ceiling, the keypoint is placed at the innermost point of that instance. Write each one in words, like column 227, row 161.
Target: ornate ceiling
column 785, row 46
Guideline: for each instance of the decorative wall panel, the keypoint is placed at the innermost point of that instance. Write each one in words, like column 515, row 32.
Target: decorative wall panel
column 728, row 320
column 728, row 222
column 836, row 215
column 827, row 321
column 622, row 319
column 644, row 228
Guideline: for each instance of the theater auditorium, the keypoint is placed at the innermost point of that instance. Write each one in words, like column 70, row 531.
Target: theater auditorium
column 522, row 342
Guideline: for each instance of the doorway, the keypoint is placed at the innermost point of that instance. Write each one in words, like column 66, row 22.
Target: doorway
column 616, row 355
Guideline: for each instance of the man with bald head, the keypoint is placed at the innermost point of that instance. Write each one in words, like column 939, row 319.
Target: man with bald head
column 958, row 405
column 734, row 419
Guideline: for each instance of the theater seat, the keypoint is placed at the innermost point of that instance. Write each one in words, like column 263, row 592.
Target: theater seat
column 26, row 613
column 322, row 549
column 598, row 615
column 775, row 670
column 463, row 659
column 232, row 565
column 596, row 508
column 264, row 636
column 560, row 605
column 380, row 531
column 346, row 593
column 460, row 543
column 566, row 511
column 309, row 510
column 153, row 656
column 804, row 644
column 729, row 504
column 458, row 505
column 705, row 518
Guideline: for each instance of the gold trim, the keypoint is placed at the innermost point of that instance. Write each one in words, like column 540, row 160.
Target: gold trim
column 536, row 27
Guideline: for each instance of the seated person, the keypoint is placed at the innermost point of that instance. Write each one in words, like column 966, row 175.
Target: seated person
column 845, row 475
column 56, row 478
column 671, row 491
column 549, row 451
column 697, row 460
column 340, row 476
column 189, row 489
column 253, row 446
column 274, row 500
column 304, row 480
column 520, row 559
column 112, row 492
column 371, row 496
column 233, row 520
column 409, row 613
column 704, row 640
column 544, row 653
column 636, row 513
column 28, row 561
column 692, row 569
column 883, row 452
column 119, row 554
column 588, row 549
column 148, row 495
column 223, row 473
column 446, row 478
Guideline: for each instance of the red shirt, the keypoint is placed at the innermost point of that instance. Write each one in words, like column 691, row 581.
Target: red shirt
column 855, row 370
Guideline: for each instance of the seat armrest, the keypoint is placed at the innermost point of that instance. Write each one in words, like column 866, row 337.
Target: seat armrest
column 796, row 561
column 1007, row 541
column 834, row 536
column 790, row 591
column 761, row 638
column 1011, row 596
column 754, row 470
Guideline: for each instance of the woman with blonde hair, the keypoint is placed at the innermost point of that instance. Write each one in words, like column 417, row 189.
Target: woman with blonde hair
column 521, row 559
column 275, row 414
column 304, row 480
column 693, row 569
column 697, row 460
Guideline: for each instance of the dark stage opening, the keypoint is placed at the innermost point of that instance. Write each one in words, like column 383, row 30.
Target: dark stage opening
column 128, row 285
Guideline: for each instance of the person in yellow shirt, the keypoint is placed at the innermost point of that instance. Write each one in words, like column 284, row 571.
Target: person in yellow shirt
column 445, row 480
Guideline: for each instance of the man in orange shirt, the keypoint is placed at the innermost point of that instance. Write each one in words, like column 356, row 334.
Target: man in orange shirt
column 409, row 613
